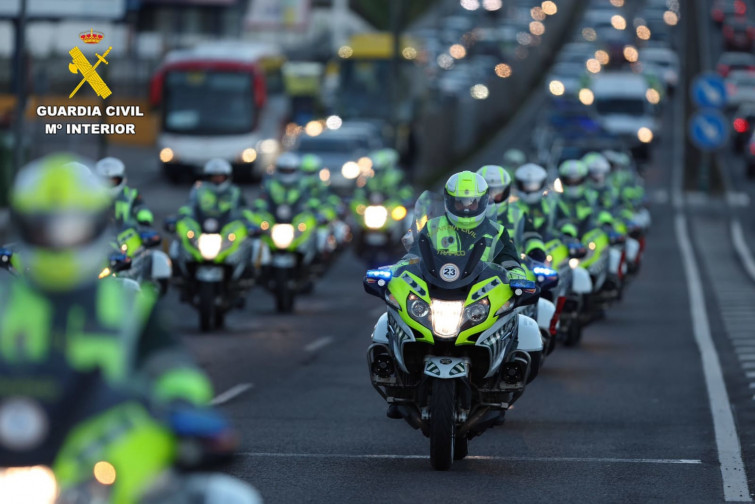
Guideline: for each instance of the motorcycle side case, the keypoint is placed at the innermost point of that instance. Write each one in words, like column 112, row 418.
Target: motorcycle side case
column 581, row 281
column 545, row 312
column 161, row 265
column 529, row 335
column 632, row 249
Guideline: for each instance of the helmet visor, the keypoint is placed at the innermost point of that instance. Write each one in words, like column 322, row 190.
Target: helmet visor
column 466, row 207
column 61, row 231
column 572, row 181
column 499, row 194
column 528, row 186
column 116, row 181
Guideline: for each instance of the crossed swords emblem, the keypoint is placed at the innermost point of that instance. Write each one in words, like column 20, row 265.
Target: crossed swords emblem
column 88, row 71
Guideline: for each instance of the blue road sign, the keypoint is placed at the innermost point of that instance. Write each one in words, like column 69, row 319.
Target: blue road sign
column 708, row 129
column 709, row 90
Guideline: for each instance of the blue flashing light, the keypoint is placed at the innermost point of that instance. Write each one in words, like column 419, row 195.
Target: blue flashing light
column 546, row 272
column 522, row 284
column 381, row 274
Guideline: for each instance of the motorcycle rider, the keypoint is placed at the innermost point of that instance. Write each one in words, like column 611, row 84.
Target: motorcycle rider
column 513, row 159
column 285, row 186
column 128, row 205
column 59, row 316
column 499, row 183
column 217, row 191
column 388, row 178
column 574, row 212
column 466, row 198
column 601, row 194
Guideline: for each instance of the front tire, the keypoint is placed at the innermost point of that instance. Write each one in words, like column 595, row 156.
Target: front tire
column 442, row 424
column 573, row 334
column 284, row 295
column 207, row 309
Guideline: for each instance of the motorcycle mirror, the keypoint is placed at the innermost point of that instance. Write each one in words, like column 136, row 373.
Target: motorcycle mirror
column 169, row 224
column 577, row 251
column 526, row 291
column 376, row 282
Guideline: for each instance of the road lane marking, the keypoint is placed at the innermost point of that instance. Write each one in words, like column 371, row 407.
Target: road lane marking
column 727, row 440
column 319, row 343
column 743, row 251
column 608, row 460
column 231, row 393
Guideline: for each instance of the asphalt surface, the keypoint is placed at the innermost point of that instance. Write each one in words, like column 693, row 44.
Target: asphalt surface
column 623, row 418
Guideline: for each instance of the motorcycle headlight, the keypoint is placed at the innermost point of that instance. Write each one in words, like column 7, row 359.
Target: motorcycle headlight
column 282, row 235
column 417, row 308
column 477, row 313
column 446, row 317
column 398, row 213
column 375, row 216
column 209, row 245
column 28, row 485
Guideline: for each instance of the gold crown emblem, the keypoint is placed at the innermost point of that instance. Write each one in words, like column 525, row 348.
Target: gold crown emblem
column 91, row 37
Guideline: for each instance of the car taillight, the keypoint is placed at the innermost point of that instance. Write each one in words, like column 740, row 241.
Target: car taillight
column 752, row 147
column 741, row 125
column 718, row 15
column 723, row 70
column 740, row 8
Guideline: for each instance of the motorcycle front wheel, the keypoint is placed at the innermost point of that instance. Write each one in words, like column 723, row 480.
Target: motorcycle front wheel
column 207, row 308
column 442, row 424
column 284, row 295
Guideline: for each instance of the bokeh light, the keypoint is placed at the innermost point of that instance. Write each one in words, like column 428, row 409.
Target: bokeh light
column 457, row 51
column 537, row 13
column 479, row 91
column 643, row 32
column 537, row 28
column 549, row 7
column 593, row 65
column 586, row 96
column 602, row 56
column 503, row 70
column 671, row 18
column 630, row 54
column 345, row 52
column 556, row 87
column 470, row 4
column 653, row 96
column 589, row 34
column 619, row 22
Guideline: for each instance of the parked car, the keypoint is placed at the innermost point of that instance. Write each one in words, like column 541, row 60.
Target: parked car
column 740, row 88
column 739, row 34
column 730, row 61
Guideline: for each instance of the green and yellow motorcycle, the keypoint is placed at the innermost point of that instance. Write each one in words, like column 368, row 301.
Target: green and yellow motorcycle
column 452, row 352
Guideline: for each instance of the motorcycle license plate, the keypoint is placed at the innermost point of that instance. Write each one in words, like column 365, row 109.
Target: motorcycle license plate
column 210, row 274
column 376, row 239
column 284, row 260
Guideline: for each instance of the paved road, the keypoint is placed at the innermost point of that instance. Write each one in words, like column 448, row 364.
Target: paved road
column 623, row 418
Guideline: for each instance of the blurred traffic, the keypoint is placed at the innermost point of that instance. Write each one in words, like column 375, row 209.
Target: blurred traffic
column 184, row 223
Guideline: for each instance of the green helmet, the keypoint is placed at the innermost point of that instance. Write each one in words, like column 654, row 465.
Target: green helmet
column 384, row 159
column 311, row 164
column 514, row 158
column 598, row 168
column 61, row 211
column 573, row 174
column 499, row 189
column 466, row 199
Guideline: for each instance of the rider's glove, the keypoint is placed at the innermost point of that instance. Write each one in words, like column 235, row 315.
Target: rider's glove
column 517, row 274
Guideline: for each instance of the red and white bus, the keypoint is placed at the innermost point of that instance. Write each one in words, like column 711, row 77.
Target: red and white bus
column 220, row 99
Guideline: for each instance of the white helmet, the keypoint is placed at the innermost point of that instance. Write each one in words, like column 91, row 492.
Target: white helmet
column 598, row 168
column 288, row 168
column 499, row 189
column 218, row 171
column 530, row 180
column 113, row 172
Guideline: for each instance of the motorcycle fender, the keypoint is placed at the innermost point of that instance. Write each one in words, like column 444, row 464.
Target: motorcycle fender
column 632, row 249
column 161, row 265
column 284, row 260
column 581, row 282
column 446, row 368
column 209, row 274
column 614, row 259
column 529, row 335
column 380, row 332
column 545, row 312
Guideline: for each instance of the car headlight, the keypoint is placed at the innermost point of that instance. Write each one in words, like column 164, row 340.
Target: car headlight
column 446, row 317
column 248, row 155
column 375, row 216
column 209, row 245
column 166, row 155
column 28, row 485
column 282, row 235
column 573, row 263
column 645, row 134
column 350, row 170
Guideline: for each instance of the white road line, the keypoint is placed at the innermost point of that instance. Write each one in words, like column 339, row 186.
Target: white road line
column 750, row 374
column 748, row 365
column 319, row 343
column 746, row 357
column 231, row 393
column 752, row 385
column 347, row 456
column 743, row 251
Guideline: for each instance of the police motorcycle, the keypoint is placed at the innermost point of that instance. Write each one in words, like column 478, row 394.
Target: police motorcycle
column 380, row 222
column 70, row 436
column 452, row 352
column 214, row 261
column 292, row 249
column 136, row 256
